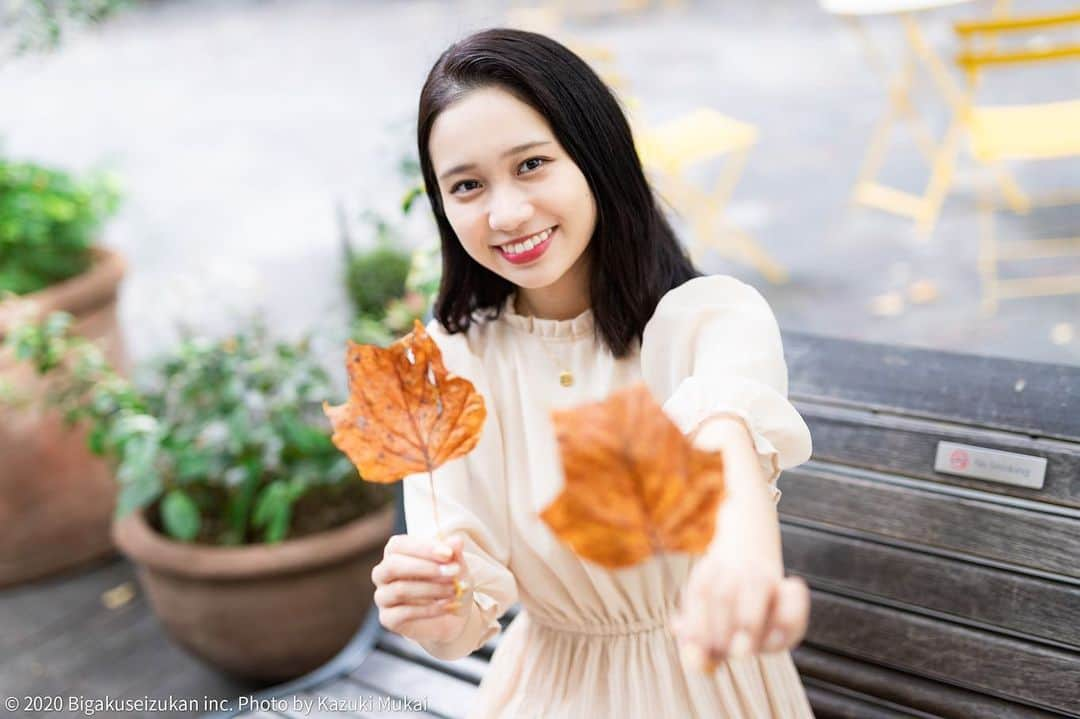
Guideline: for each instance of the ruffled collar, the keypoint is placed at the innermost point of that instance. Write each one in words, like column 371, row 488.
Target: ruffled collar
column 573, row 328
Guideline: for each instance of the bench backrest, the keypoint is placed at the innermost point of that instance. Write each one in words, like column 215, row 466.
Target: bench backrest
column 944, row 561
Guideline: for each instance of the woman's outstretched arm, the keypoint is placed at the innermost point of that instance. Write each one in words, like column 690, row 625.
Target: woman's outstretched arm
column 737, row 601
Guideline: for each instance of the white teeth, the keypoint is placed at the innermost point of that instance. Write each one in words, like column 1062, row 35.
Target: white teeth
column 528, row 244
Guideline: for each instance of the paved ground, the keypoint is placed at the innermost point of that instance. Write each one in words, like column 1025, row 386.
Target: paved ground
column 60, row 637
column 236, row 126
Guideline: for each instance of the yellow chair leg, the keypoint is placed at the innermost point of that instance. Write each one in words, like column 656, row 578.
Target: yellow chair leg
column 1017, row 199
column 941, row 175
column 987, row 257
column 754, row 255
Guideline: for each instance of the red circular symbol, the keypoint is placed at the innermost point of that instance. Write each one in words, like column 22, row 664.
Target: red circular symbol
column 959, row 459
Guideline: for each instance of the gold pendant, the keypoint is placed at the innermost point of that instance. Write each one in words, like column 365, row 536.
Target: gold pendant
column 566, row 378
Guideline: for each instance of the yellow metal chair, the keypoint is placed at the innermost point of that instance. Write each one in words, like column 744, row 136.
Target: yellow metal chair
column 941, row 155
column 1019, row 132
column 669, row 150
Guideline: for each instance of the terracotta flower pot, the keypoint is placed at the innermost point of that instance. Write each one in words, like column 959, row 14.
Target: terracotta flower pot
column 269, row 612
column 56, row 497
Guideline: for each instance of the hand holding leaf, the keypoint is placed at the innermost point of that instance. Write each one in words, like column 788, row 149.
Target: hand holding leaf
column 406, row 413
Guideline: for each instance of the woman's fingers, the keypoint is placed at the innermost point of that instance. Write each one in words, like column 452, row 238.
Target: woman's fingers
column 749, row 613
column 420, row 547
column 728, row 616
column 403, row 566
column 695, row 618
column 789, row 615
column 397, row 617
column 407, row 591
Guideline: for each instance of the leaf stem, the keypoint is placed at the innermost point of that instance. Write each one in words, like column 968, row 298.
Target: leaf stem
column 458, row 588
column 434, row 505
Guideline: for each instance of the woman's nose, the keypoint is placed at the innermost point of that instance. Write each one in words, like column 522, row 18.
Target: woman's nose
column 508, row 212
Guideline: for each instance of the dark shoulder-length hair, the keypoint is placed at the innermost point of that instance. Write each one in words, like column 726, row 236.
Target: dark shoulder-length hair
column 635, row 255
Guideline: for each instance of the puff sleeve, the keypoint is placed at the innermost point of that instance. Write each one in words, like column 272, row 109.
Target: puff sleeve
column 713, row 348
column 471, row 497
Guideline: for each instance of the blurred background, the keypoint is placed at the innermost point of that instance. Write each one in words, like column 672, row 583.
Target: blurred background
column 236, row 128
column 256, row 158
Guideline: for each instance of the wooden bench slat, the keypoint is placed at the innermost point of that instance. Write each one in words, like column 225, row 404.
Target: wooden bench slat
column 397, row 676
column 935, row 698
column 905, row 446
column 1011, row 535
column 1032, row 398
column 978, row 660
column 829, row 702
column 1029, row 606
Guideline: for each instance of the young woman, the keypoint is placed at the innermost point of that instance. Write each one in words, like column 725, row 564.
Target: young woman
column 563, row 282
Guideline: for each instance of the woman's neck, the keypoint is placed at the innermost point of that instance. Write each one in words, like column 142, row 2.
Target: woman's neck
column 533, row 303
column 567, row 298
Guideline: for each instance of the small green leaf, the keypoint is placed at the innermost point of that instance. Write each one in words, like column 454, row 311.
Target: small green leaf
column 273, row 510
column 140, row 492
column 191, row 464
column 241, row 499
column 96, row 440
column 180, row 516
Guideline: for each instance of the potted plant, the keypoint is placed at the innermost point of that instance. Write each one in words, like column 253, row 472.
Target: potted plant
column 387, row 285
column 56, row 497
column 253, row 536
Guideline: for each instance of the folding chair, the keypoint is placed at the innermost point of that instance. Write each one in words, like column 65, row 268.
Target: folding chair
column 924, row 208
column 669, row 150
column 1019, row 132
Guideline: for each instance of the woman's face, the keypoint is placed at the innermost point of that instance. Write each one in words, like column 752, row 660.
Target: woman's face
column 517, row 202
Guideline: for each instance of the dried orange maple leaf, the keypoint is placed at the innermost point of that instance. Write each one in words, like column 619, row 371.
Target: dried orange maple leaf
column 635, row 485
column 405, row 413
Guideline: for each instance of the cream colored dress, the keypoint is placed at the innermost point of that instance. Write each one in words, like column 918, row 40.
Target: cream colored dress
column 591, row 642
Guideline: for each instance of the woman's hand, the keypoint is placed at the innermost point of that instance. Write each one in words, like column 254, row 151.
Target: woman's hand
column 736, row 604
column 737, row 601
column 415, row 588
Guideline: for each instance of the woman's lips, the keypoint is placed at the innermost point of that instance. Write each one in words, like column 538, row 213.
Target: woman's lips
column 529, row 255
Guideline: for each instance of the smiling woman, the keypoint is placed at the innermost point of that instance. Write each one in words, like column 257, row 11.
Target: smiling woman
column 563, row 283
column 525, row 216
column 517, row 135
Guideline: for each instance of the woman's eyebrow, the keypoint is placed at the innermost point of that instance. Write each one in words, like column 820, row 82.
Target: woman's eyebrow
column 512, row 151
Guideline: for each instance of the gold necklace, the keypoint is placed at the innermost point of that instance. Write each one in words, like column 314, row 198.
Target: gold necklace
column 566, row 377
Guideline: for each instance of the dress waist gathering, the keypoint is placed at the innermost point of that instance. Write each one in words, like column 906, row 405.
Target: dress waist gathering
column 606, row 628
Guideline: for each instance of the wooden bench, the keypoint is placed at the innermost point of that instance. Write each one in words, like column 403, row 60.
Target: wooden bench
column 934, row 595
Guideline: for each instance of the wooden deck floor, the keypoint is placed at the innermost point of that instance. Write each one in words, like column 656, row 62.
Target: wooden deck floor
column 58, row 638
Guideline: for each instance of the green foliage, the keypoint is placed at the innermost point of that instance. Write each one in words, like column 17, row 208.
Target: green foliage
column 48, row 222
column 376, row 276
column 40, row 24
column 224, row 438
column 390, row 287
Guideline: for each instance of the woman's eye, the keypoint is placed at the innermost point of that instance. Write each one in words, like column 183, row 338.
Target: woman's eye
column 539, row 160
column 454, row 189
